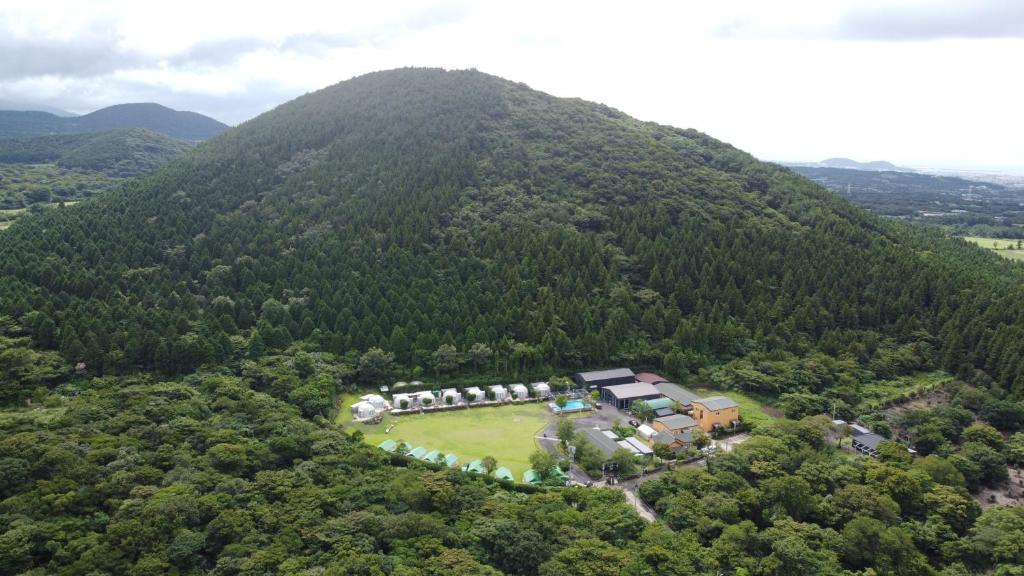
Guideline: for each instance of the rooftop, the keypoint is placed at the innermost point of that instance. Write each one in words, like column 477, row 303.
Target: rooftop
column 649, row 377
column 677, row 421
column 606, row 374
column 635, row 390
column 598, row 439
column 676, row 392
column 870, row 440
column 718, row 403
column 659, row 403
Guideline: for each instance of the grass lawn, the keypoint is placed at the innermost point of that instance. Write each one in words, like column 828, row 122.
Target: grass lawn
column 752, row 410
column 998, row 245
column 880, row 391
column 505, row 432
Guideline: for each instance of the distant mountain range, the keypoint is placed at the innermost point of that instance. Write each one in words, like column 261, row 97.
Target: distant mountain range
column 116, row 153
column 188, row 126
column 848, row 164
column 15, row 106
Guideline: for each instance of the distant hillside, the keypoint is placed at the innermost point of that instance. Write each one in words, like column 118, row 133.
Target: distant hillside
column 119, row 153
column 874, row 166
column 189, row 126
column 935, row 199
column 28, row 107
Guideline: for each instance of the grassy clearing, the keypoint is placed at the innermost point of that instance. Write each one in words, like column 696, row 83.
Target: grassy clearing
column 1005, row 247
column 752, row 410
column 880, row 392
column 508, row 433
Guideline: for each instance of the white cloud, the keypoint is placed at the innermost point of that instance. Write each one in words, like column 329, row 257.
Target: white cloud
column 784, row 80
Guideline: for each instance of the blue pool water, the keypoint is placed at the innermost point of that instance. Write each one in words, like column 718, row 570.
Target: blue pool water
column 570, row 406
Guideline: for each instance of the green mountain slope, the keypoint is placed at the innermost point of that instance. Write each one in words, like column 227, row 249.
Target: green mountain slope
column 125, row 152
column 414, row 208
column 183, row 125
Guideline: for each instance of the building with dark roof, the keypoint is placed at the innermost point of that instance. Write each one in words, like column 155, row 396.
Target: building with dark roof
column 674, row 423
column 600, row 441
column 602, row 378
column 867, row 444
column 649, row 377
column 622, row 396
column 676, row 393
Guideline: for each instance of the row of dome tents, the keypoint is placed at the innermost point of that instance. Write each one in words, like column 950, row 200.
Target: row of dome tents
column 420, row 453
column 450, row 396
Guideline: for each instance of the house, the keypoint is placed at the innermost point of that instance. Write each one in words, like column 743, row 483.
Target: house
column 500, row 392
column 602, row 378
column 362, row 410
column 474, row 394
column 650, row 378
column 716, row 412
column 674, row 424
column 622, row 396
column 676, row 442
column 677, row 393
column 600, row 441
column 450, row 396
column 542, row 389
column 519, row 391
column 867, row 444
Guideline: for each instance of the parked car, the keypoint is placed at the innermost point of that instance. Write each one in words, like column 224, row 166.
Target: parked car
column 634, row 423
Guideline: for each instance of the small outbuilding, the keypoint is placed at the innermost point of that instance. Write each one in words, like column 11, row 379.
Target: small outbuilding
column 519, row 391
column 474, row 394
column 500, row 392
column 362, row 410
column 675, row 423
column 603, row 443
column 646, row 431
column 378, row 402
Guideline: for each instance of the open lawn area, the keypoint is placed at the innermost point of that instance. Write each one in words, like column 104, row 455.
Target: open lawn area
column 505, row 432
column 1005, row 247
column 752, row 410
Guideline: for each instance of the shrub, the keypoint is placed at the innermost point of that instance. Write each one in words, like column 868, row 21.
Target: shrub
column 404, row 404
column 427, row 401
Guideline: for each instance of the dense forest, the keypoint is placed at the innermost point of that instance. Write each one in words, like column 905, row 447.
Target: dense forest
column 452, row 223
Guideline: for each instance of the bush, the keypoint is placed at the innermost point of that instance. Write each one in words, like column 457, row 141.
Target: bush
column 427, row 401
column 404, row 404
column 449, row 400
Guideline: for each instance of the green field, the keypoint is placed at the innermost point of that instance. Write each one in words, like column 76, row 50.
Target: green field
column 1005, row 247
column 505, row 432
column 752, row 410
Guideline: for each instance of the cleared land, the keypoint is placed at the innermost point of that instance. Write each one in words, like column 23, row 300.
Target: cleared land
column 880, row 392
column 508, row 433
column 1005, row 247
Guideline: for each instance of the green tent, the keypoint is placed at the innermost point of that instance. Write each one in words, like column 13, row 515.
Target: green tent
column 432, row 456
column 531, row 477
column 556, row 472
column 504, row 474
column 451, row 460
column 418, row 452
column 388, row 445
column 475, row 466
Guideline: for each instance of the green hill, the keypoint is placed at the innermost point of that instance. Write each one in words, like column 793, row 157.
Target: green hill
column 457, row 226
column 119, row 153
column 413, row 208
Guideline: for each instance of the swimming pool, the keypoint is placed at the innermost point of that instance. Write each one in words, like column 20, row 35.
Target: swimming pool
column 570, row 406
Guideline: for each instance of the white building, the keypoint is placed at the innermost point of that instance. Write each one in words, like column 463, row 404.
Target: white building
column 397, row 400
column 474, row 394
column 376, row 400
column 542, row 389
column 424, row 398
column 500, row 392
column 363, row 410
column 519, row 391
column 646, row 431
column 450, row 393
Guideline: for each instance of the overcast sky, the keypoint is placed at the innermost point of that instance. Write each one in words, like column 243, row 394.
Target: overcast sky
column 929, row 84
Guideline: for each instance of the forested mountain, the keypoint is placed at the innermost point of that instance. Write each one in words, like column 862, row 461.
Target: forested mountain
column 123, row 152
column 374, row 226
column 27, row 107
column 189, row 126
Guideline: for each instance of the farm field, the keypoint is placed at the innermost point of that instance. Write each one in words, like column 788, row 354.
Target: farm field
column 1005, row 247
column 505, row 432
